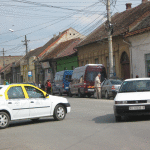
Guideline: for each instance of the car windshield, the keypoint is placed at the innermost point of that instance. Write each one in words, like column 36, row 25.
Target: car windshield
column 135, row 86
column 116, row 82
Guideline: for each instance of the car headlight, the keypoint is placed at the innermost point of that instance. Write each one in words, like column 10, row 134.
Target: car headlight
column 120, row 102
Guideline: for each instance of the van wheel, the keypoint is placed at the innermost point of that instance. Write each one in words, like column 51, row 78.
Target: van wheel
column 60, row 94
column 80, row 94
column 89, row 95
column 70, row 94
column 4, row 120
column 106, row 95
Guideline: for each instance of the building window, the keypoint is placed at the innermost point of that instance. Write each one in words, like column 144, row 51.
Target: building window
column 82, row 63
column 87, row 62
column 96, row 61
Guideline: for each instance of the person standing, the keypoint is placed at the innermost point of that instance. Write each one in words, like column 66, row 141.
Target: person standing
column 97, row 86
column 48, row 86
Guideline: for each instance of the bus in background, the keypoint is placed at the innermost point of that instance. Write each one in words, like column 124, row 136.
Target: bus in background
column 83, row 79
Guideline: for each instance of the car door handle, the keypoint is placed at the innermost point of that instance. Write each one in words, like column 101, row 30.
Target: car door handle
column 9, row 102
column 32, row 102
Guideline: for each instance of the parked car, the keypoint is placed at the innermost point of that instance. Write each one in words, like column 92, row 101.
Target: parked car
column 83, row 79
column 61, row 82
column 133, row 98
column 110, row 87
column 25, row 101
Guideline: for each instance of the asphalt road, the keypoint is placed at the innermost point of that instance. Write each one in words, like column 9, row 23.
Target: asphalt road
column 90, row 126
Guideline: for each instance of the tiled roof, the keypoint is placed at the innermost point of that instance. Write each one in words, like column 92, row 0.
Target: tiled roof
column 51, row 42
column 121, row 22
column 59, row 49
column 6, row 67
column 69, row 50
column 143, row 26
column 34, row 52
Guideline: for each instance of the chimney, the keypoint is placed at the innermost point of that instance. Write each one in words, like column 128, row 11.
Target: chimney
column 128, row 6
column 144, row 1
column 54, row 36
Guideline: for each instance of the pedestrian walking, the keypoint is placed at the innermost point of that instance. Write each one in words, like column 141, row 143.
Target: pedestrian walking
column 97, row 86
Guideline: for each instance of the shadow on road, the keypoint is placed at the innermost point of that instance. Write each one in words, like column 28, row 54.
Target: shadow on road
column 29, row 122
column 110, row 118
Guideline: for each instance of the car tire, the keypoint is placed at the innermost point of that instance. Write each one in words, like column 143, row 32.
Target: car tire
column 118, row 118
column 106, row 95
column 4, row 120
column 59, row 113
column 60, row 94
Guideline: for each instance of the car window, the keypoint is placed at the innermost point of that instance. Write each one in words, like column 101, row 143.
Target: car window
column 15, row 93
column 116, row 82
column 33, row 92
column 135, row 86
column 106, row 82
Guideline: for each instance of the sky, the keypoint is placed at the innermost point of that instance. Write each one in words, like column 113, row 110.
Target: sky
column 39, row 20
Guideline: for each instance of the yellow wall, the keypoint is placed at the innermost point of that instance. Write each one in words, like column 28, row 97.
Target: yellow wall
column 100, row 50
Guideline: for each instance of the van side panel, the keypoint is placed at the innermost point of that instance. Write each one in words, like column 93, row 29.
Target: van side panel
column 83, row 78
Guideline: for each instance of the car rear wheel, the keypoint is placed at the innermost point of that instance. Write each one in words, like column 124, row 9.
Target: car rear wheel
column 4, row 120
column 59, row 113
column 118, row 118
column 106, row 95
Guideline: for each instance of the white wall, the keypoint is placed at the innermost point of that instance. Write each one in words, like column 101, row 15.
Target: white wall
column 140, row 46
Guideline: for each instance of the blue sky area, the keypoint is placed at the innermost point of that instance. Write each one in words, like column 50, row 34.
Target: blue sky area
column 39, row 20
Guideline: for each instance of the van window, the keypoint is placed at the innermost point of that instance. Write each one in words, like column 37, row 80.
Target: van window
column 91, row 75
column 68, row 77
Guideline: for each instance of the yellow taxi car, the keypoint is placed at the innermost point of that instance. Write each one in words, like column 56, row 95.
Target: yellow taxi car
column 25, row 101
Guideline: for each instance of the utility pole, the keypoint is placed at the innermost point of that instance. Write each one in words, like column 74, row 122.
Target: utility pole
column 4, row 64
column 26, row 44
column 110, row 39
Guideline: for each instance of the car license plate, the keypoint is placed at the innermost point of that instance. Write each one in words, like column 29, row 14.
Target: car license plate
column 91, row 90
column 136, row 107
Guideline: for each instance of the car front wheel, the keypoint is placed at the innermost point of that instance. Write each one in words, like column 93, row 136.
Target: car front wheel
column 59, row 113
column 4, row 120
